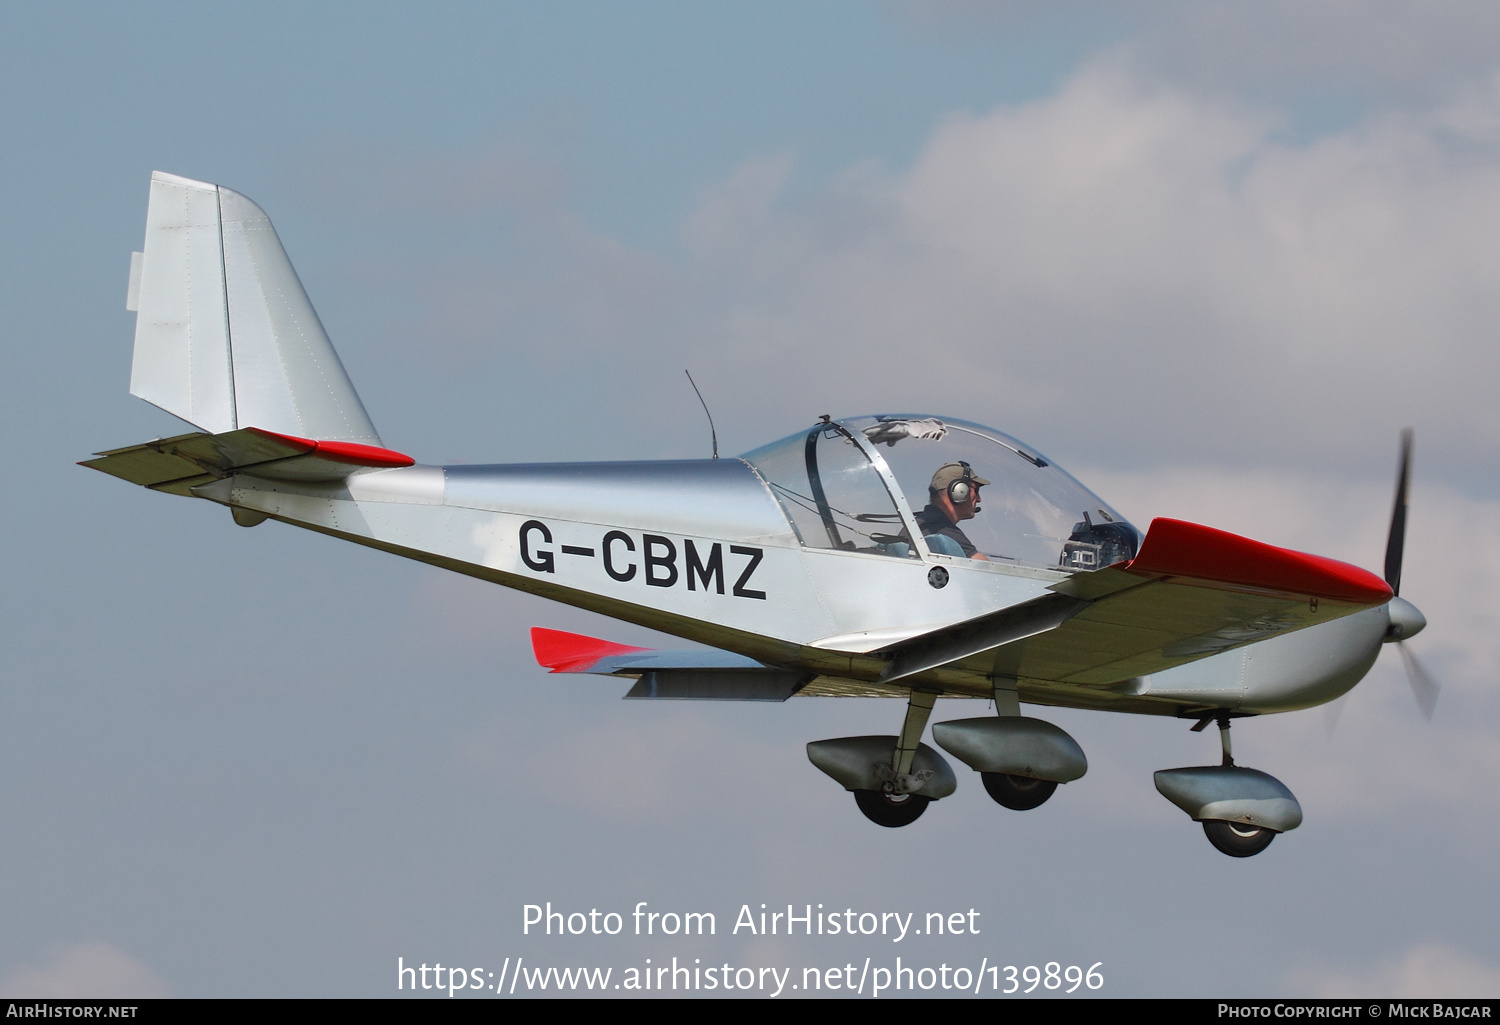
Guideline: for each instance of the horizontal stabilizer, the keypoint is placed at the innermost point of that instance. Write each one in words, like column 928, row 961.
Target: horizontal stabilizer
column 175, row 464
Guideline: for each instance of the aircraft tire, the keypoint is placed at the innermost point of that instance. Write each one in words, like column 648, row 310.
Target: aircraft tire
column 891, row 811
column 1237, row 839
column 1018, row 793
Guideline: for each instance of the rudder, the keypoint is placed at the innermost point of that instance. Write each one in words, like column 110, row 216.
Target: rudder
column 225, row 334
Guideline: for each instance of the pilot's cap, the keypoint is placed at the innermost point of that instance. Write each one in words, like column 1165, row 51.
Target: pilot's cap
column 950, row 472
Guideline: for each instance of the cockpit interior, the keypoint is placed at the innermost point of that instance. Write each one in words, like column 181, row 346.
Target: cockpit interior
column 866, row 485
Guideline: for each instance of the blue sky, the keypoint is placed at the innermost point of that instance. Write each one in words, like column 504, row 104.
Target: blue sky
column 1210, row 258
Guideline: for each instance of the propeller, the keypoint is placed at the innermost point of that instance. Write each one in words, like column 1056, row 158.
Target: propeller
column 1406, row 620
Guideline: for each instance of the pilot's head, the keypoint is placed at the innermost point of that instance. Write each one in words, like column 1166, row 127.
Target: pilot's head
column 955, row 490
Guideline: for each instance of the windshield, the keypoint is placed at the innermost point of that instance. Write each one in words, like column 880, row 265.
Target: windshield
column 1020, row 508
column 832, row 493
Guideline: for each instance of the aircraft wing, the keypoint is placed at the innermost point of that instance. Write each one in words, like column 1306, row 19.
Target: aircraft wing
column 1192, row 591
column 702, row 674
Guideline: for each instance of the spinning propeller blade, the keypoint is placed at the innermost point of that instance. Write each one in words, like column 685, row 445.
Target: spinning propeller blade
column 1423, row 687
column 1396, row 544
column 1406, row 620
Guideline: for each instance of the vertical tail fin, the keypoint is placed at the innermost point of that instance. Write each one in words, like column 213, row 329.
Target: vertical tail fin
column 225, row 336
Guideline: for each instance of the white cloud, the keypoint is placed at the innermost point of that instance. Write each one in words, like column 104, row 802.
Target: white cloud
column 1387, row 47
column 1426, row 970
column 1128, row 267
column 1353, row 50
column 94, row 969
column 1125, row 259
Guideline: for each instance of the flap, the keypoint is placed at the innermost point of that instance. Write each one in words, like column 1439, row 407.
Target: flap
column 719, row 685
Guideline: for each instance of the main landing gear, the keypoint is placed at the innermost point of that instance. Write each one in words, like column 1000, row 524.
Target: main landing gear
column 1020, row 760
column 1018, row 793
column 893, row 779
column 891, row 809
column 1241, row 809
column 897, row 803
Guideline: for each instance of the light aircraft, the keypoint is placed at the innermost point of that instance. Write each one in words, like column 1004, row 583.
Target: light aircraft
column 850, row 559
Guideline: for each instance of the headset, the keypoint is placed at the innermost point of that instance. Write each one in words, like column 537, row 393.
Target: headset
column 961, row 490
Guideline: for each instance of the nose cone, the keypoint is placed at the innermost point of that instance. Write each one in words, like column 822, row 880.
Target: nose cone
column 1406, row 620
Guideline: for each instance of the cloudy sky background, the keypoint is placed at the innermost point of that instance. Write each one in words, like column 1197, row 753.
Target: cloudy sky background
column 1210, row 257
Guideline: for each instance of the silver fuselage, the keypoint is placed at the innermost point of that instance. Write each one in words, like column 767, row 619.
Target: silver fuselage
column 702, row 550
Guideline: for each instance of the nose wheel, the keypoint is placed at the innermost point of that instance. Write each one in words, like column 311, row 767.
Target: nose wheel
column 1237, row 839
column 1019, row 793
column 1241, row 809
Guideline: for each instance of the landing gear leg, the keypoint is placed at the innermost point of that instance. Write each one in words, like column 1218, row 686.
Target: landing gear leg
column 918, row 710
column 1222, row 718
column 894, row 804
column 1236, row 839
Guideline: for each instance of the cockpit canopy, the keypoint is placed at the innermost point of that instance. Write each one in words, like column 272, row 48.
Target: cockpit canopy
column 863, row 485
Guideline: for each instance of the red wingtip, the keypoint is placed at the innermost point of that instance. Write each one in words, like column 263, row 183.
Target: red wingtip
column 345, row 451
column 1179, row 548
column 562, row 652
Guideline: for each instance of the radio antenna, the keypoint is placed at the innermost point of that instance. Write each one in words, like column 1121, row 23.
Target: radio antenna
column 711, row 431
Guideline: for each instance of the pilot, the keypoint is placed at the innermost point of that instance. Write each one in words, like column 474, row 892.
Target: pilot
column 952, row 496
